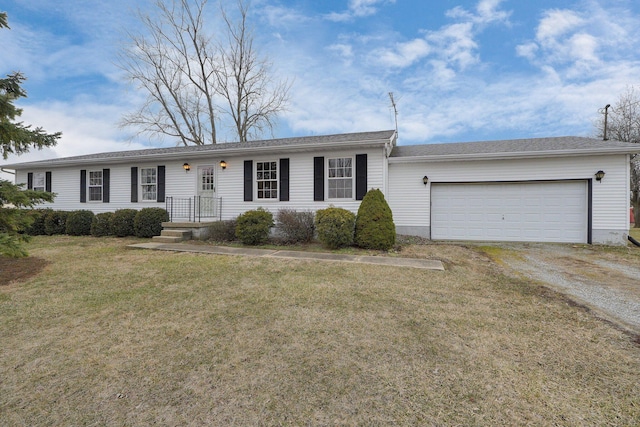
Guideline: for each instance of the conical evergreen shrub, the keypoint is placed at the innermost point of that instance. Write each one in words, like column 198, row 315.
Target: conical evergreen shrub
column 374, row 223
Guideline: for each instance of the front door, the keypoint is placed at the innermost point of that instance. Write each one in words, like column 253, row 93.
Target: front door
column 206, row 191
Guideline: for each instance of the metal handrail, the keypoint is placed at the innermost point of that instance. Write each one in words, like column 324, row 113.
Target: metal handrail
column 193, row 209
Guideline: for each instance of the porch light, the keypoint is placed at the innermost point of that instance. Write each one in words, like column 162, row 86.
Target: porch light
column 186, row 167
column 599, row 175
column 425, row 180
column 223, row 164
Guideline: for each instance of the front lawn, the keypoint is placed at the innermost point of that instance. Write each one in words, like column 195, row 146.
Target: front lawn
column 105, row 335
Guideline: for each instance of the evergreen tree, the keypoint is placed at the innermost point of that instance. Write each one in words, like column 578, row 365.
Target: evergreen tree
column 17, row 138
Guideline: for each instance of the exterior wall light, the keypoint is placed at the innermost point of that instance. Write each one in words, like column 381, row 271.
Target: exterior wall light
column 599, row 175
column 425, row 180
column 186, row 167
column 223, row 164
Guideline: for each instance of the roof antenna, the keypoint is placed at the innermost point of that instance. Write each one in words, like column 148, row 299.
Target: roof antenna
column 395, row 111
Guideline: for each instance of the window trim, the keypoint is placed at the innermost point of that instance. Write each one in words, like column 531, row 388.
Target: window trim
column 328, row 178
column 141, row 184
column 255, row 179
column 101, row 186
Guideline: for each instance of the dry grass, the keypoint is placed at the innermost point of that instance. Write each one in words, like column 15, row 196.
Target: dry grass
column 635, row 233
column 110, row 336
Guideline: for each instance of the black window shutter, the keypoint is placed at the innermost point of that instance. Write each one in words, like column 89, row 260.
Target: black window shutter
column 318, row 178
column 361, row 176
column 161, row 183
column 83, row 186
column 248, row 180
column 30, row 181
column 134, row 184
column 106, row 176
column 284, row 180
column 47, row 185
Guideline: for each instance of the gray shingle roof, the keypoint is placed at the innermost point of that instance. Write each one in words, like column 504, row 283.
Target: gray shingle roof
column 515, row 147
column 300, row 143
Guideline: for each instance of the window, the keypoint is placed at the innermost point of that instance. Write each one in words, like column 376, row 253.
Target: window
column 148, row 182
column 206, row 179
column 95, row 186
column 267, row 179
column 39, row 181
column 340, row 178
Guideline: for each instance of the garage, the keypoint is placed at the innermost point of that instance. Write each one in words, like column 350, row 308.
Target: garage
column 541, row 211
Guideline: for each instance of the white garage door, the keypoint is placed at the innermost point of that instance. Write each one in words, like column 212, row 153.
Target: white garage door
column 554, row 211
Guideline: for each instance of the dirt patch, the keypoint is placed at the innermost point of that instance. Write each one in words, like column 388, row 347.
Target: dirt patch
column 20, row 269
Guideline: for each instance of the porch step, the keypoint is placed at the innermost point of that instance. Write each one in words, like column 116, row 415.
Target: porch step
column 172, row 235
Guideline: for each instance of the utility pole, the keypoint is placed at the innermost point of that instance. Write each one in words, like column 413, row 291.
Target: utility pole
column 606, row 113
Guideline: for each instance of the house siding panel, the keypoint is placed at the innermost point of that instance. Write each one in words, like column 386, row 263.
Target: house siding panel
column 410, row 200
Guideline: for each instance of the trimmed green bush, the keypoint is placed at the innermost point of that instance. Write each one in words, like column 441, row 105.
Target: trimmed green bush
column 374, row 223
column 148, row 222
column 55, row 222
column 37, row 226
column 335, row 227
column 79, row 223
column 122, row 222
column 252, row 227
column 101, row 224
column 295, row 227
column 223, row 231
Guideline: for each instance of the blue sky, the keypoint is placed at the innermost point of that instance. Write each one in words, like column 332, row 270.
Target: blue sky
column 459, row 70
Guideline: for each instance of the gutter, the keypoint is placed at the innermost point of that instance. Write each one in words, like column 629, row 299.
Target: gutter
column 508, row 155
column 236, row 151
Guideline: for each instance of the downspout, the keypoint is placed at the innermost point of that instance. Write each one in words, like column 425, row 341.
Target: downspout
column 6, row 171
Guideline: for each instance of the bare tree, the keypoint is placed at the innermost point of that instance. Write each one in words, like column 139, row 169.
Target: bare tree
column 194, row 80
column 623, row 124
column 245, row 80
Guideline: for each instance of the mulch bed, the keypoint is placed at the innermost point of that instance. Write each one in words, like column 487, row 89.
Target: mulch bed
column 19, row 269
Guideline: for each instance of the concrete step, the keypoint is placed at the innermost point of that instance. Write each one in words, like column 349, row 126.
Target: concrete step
column 176, row 232
column 166, row 239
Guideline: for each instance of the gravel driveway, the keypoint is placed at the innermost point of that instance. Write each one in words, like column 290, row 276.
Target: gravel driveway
column 605, row 279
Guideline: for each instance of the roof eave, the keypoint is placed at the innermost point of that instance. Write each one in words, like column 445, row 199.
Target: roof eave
column 236, row 151
column 511, row 155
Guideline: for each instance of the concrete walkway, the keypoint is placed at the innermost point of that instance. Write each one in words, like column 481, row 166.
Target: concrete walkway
column 424, row 264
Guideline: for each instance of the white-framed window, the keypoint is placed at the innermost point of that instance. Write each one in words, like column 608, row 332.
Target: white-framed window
column 207, row 182
column 340, row 178
column 95, row 186
column 149, row 184
column 39, row 181
column 267, row 179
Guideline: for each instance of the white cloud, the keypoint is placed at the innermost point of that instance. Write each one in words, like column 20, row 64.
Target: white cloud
column 358, row 9
column 577, row 44
column 404, row 54
column 454, row 45
column 557, row 23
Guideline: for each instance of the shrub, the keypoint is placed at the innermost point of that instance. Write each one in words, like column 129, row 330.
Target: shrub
column 223, row 231
column 55, row 222
column 148, row 222
column 335, row 227
column 295, row 227
column 79, row 223
column 374, row 223
column 101, row 224
column 252, row 227
column 122, row 222
column 37, row 226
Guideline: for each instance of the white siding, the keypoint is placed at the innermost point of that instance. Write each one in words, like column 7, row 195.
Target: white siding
column 229, row 182
column 410, row 200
